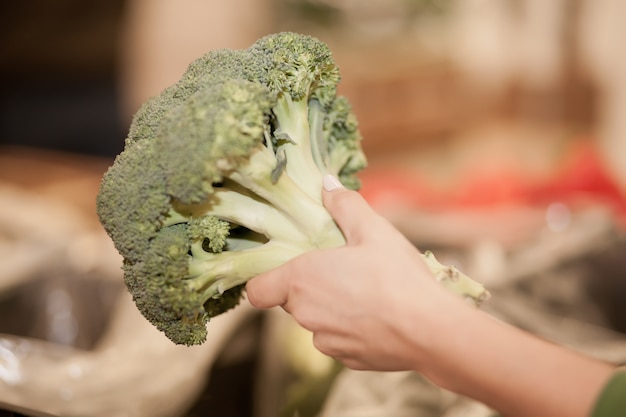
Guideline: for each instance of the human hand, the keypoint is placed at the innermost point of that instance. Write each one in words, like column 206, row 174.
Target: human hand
column 371, row 303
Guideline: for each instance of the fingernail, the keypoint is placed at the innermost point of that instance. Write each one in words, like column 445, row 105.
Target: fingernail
column 331, row 183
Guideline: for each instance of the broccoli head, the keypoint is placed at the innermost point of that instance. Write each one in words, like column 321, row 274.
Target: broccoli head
column 220, row 179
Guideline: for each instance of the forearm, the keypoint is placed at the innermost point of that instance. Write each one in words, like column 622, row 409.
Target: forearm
column 509, row 370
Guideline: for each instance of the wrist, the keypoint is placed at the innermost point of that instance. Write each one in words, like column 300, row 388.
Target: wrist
column 518, row 374
column 436, row 330
column 458, row 350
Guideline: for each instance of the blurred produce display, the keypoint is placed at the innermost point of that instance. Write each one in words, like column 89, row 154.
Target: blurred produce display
column 494, row 132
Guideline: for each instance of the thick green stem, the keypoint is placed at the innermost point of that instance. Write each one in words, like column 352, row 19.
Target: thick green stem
column 249, row 212
column 226, row 270
column 319, row 145
column 288, row 197
column 456, row 281
column 292, row 122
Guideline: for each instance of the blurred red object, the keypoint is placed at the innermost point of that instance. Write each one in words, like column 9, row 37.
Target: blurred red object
column 581, row 178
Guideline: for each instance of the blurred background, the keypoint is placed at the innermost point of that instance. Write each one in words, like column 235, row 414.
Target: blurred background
column 495, row 134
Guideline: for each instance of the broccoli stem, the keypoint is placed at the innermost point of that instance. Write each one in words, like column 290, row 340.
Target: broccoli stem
column 173, row 217
column 213, row 274
column 305, row 212
column 292, row 124
column 319, row 148
column 246, row 210
column 456, row 281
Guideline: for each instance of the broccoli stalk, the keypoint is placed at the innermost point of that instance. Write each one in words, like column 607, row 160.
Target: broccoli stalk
column 220, row 180
column 456, row 281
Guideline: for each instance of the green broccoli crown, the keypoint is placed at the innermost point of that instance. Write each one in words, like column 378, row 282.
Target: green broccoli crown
column 132, row 202
column 161, row 291
column 342, row 139
column 213, row 131
column 220, row 178
column 213, row 68
column 208, row 234
column 301, row 66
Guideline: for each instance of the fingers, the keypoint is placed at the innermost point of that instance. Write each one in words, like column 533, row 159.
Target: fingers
column 351, row 212
column 269, row 289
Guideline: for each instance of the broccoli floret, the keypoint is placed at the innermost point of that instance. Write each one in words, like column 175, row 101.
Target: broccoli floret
column 220, row 179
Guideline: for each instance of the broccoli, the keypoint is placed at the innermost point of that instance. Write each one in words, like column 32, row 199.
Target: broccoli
column 220, row 179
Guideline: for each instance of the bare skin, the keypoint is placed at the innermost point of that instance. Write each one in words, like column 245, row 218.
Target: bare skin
column 399, row 318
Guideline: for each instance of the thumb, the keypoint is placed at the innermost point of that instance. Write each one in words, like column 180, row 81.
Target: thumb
column 269, row 289
column 348, row 208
